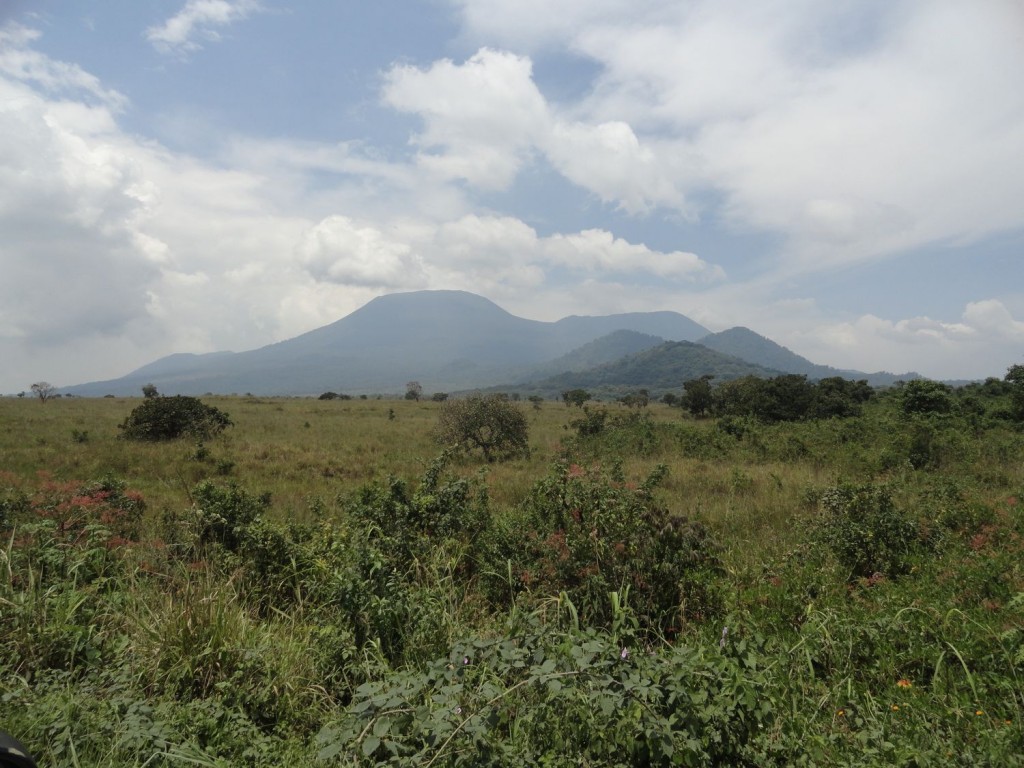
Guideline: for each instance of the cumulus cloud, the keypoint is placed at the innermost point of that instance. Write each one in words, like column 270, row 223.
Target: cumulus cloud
column 485, row 119
column 851, row 131
column 339, row 250
column 599, row 251
column 494, row 255
column 480, row 118
column 69, row 207
column 609, row 160
column 198, row 20
column 975, row 345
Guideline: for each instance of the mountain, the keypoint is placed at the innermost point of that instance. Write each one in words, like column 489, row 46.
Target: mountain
column 659, row 369
column 446, row 340
column 607, row 349
column 754, row 348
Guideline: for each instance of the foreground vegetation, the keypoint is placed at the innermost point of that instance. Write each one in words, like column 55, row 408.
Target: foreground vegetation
column 322, row 583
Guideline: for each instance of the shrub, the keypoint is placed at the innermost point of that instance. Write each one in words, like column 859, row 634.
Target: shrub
column 922, row 396
column 223, row 516
column 591, row 423
column 487, row 422
column 591, row 534
column 394, row 536
column 866, row 532
column 576, row 397
column 550, row 697
column 168, row 418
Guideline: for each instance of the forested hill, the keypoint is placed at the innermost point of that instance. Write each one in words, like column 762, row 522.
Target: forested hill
column 662, row 368
column 745, row 344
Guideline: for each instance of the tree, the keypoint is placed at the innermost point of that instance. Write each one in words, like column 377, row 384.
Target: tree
column 923, row 396
column 488, row 422
column 44, row 390
column 168, row 418
column 839, row 397
column 149, row 390
column 697, row 395
column 575, row 397
column 1015, row 378
column 413, row 391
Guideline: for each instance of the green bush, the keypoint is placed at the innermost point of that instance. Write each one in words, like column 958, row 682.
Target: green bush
column 168, row 418
column 866, row 532
column 490, row 423
column 572, row 697
column 590, row 534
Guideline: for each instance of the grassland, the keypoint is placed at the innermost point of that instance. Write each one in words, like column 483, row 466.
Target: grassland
column 312, row 586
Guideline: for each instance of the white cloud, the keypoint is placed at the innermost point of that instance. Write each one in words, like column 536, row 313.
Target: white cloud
column 493, row 255
column 68, row 209
column 973, row 346
column 198, row 20
column 609, row 160
column 599, row 251
column 533, row 24
column 852, row 131
column 484, row 120
column 480, row 118
column 19, row 62
column 339, row 250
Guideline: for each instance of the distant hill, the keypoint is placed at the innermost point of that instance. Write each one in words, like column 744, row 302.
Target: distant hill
column 446, row 340
column 606, row 349
column 659, row 369
column 754, row 348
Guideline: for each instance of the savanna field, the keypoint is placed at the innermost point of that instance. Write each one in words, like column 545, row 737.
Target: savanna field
column 325, row 583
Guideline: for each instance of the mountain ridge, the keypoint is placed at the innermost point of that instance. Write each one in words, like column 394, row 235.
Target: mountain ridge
column 458, row 341
column 748, row 345
column 445, row 339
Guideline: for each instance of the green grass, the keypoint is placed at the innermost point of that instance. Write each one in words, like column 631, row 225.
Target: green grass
column 334, row 621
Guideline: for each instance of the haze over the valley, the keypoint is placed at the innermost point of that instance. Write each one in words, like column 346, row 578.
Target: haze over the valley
column 208, row 175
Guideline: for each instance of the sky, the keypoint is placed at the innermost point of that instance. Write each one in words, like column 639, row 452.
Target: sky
column 844, row 177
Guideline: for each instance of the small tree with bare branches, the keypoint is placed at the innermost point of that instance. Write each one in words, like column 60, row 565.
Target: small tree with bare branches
column 44, row 390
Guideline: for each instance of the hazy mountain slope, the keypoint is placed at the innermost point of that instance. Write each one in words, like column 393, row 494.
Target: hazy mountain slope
column 659, row 369
column 606, row 349
column 443, row 339
column 754, row 348
column 670, row 326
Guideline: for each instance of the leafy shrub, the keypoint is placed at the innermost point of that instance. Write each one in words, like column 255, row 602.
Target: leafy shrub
column 223, row 516
column 866, row 532
column 543, row 695
column 591, row 534
column 497, row 427
column 395, row 536
column 591, row 423
column 168, row 418
column 923, row 396
column 701, row 443
column 576, row 397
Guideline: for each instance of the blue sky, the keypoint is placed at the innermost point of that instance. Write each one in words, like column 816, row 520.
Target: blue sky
column 194, row 175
